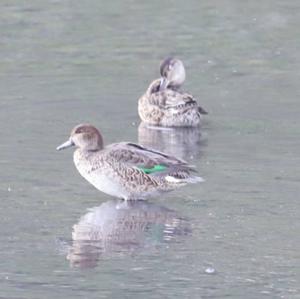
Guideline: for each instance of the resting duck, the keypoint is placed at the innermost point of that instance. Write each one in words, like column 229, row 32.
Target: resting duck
column 164, row 104
column 126, row 170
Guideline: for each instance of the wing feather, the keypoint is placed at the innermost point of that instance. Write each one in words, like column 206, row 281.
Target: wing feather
column 170, row 99
column 136, row 155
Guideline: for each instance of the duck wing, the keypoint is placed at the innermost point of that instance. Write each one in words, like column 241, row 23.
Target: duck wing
column 135, row 154
column 148, row 160
column 179, row 100
column 141, row 161
column 173, row 99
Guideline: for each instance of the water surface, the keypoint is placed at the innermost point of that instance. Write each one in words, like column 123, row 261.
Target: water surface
column 66, row 62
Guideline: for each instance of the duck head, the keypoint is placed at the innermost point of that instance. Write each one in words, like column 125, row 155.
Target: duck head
column 84, row 136
column 172, row 73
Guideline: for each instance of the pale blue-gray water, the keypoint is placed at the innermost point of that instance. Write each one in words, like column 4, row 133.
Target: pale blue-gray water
column 234, row 236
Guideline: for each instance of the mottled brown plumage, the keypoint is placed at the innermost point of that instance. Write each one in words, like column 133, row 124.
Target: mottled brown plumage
column 126, row 170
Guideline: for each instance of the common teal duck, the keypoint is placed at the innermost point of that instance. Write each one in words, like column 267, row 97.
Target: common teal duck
column 164, row 104
column 126, row 170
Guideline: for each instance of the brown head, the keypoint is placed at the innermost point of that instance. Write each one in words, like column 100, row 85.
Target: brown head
column 172, row 73
column 84, row 136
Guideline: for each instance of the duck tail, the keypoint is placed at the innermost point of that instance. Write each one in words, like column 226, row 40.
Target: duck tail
column 195, row 180
column 184, row 180
column 202, row 111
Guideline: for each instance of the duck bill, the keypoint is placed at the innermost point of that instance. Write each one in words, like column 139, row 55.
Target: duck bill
column 65, row 145
column 164, row 82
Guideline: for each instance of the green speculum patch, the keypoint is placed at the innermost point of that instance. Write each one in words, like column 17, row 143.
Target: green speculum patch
column 155, row 168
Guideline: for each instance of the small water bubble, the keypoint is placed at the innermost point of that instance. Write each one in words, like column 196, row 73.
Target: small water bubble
column 265, row 292
column 133, row 123
column 250, row 280
column 9, row 189
column 137, row 269
column 210, row 270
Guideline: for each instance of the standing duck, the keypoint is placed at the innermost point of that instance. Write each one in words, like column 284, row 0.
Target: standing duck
column 164, row 104
column 126, row 170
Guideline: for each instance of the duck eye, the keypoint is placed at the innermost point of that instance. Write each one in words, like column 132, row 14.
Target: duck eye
column 78, row 131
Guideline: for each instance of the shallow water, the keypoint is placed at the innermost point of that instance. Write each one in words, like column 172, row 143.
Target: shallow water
column 236, row 235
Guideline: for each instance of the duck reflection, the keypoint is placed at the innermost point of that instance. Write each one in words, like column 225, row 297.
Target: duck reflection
column 185, row 143
column 121, row 227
